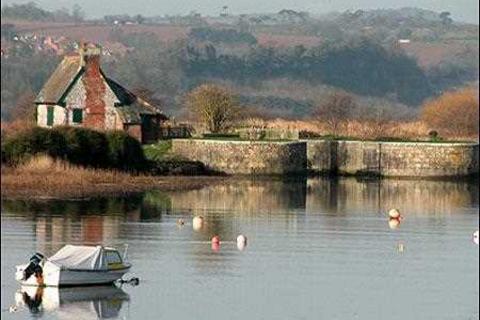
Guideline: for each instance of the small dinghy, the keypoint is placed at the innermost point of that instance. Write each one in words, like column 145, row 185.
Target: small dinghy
column 74, row 266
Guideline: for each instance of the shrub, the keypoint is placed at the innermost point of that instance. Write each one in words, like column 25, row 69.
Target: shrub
column 85, row 147
column 157, row 151
column 454, row 112
column 306, row 134
column 79, row 146
column 25, row 144
column 124, row 151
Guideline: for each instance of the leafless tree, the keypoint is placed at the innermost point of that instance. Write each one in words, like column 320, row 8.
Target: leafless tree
column 335, row 111
column 213, row 105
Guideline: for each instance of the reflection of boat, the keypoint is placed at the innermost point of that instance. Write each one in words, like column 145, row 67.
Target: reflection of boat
column 73, row 303
column 74, row 265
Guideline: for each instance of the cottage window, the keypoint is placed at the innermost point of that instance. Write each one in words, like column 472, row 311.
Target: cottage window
column 50, row 113
column 77, row 115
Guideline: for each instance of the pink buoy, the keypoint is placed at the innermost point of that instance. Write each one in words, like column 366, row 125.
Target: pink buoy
column 216, row 239
column 216, row 246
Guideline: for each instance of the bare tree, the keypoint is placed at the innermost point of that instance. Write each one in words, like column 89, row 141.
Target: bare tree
column 335, row 110
column 213, row 105
column 25, row 109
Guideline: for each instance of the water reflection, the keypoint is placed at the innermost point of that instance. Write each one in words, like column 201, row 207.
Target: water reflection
column 343, row 196
column 99, row 302
column 307, row 238
column 106, row 220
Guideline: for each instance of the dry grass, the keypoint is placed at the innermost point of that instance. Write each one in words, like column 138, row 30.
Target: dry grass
column 14, row 127
column 414, row 130
column 44, row 177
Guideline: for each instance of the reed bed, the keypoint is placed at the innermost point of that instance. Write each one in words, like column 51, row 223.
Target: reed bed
column 367, row 130
column 45, row 177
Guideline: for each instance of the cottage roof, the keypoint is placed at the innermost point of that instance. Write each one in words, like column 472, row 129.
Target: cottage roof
column 69, row 71
column 60, row 81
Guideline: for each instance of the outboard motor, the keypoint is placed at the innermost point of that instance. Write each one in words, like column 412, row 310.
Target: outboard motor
column 34, row 266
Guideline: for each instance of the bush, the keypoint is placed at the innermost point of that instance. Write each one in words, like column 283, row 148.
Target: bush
column 85, row 147
column 157, row 151
column 306, row 134
column 25, row 144
column 79, row 146
column 124, row 151
column 454, row 112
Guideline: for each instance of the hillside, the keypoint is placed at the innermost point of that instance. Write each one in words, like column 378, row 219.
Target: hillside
column 393, row 57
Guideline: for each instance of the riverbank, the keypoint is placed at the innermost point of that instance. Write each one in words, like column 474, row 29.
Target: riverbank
column 44, row 178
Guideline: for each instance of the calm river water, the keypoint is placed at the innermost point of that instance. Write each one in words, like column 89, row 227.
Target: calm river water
column 317, row 249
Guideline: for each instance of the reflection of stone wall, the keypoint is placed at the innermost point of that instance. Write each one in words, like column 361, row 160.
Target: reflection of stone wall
column 393, row 159
column 349, row 195
column 246, row 196
column 245, row 157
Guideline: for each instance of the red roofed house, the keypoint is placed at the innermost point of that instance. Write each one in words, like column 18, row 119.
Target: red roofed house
column 78, row 93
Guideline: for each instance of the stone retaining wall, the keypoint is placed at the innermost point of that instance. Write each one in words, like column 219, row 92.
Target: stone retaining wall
column 245, row 157
column 389, row 159
column 393, row 159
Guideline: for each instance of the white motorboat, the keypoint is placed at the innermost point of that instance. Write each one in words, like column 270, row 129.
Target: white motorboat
column 74, row 266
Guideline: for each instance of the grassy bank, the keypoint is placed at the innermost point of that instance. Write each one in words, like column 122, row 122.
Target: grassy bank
column 44, row 177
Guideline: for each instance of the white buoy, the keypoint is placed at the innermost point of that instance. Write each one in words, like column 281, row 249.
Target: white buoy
column 393, row 223
column 401, row 247
column 241, row 242
column 475, row 237
column 394, row 214
column 197, row 223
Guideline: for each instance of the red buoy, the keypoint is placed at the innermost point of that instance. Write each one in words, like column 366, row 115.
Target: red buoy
column 216, row 246
column 215, row 239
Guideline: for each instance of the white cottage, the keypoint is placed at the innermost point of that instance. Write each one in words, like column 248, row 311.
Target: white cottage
column 79, row 94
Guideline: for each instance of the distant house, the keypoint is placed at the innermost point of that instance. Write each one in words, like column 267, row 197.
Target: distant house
column 78, row 93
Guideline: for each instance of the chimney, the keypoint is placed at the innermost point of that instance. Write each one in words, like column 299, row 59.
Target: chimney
column 90, row 57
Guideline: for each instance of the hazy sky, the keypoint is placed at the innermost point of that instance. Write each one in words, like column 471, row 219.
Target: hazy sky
column 462, row 10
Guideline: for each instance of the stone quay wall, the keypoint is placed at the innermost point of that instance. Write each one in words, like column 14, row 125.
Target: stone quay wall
column 245, row 157
column 393, row 159
column 388, row 159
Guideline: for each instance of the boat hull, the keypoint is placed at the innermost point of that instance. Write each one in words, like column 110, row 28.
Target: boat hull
column 56, row 276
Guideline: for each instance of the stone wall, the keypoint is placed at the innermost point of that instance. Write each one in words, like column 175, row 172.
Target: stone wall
column 393, row 159
column 245, row 157
column 389, row 159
